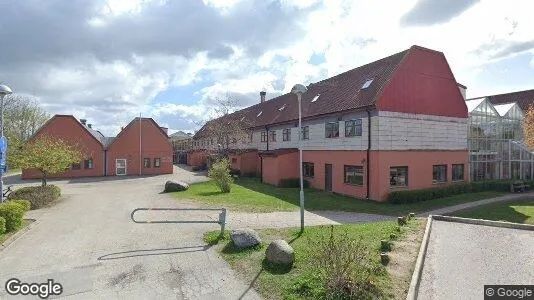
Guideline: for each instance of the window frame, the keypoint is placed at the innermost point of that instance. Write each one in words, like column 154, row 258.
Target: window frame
column 406, row 176
column 308, row 169
column 334, row 125
column 304, row 133
column 345, row 181
column 463, row 172
column 356, row 124
column 434, row 172
column 272, row 135
column 157, row 162
column 86, row 164
column 264, row 136
column 146, row 162
column 286, row 134
column 78, row 166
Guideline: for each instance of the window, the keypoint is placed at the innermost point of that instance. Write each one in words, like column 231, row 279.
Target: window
column 264, row 136
column 251, row 136
column 316, row 97
column 76, row 166
column 353, row 128
column 305, row 134
column 367, row 84
column 286, row 134
column 146, row 162
column 332, row 129
column 353, row 175
column 457, row 172
column 307, row 169
column 259, row 114
column 439, row 173
column 398, row 176
column 282, row 108
column 88, row 163
column 157, row 162
column 272, row 136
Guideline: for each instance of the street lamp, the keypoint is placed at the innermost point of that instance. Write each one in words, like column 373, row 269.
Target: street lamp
column 4, row 90
column 300, row 89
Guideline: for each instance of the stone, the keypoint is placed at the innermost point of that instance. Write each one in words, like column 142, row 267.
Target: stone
column 280, row 252
column 172, row 186
column 245, row 238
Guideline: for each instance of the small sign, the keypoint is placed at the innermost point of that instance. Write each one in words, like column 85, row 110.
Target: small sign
column 3, row 144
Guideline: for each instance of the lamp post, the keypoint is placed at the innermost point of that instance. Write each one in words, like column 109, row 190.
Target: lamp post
column 300, row 89
column 4, row 90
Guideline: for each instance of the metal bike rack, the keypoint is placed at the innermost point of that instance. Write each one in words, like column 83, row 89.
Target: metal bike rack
column 221, row 221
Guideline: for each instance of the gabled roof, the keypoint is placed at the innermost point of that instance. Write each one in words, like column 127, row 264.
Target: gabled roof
column 472, row 104
column 523, row 98
column 342, row 92
column 92, row 133
column 180, row 135
column 503, row 109
column 137, row 119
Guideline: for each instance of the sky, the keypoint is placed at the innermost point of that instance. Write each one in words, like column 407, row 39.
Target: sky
column 109, row 61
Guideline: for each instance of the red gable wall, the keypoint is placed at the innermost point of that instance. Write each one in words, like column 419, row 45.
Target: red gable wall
column 69, row 129
column 423, row 84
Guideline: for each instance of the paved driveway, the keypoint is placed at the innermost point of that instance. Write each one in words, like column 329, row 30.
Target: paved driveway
column 462, row 258
column 88, row 244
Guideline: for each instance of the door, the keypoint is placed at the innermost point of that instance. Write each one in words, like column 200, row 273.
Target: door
column 328, row 177
column 120, row 166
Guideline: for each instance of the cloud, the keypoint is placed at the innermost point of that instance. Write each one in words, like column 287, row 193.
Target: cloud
column 431, row 12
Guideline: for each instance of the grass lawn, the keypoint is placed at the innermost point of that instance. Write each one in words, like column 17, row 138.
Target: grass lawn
column 303, row 281
column 521, row 211
column 5, row 236
column 249, row 194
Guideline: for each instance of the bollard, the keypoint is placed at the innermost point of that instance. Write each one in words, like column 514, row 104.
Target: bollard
column 385, row 245
column 401, row 221
column 412, row 215
column 384, row 258
column 222, row 221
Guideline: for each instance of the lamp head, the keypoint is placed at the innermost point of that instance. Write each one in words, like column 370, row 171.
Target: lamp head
column 299, row 89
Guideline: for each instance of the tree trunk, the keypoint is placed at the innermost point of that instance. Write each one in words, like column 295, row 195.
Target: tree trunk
column 43, row 178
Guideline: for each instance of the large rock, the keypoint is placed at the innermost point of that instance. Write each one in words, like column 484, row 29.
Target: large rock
column 172, row 186
column 280, row 252
column 245, row 238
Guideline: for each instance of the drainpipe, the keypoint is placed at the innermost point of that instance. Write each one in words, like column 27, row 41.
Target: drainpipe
column 140, row 153
column 105, row 162
column 368, row 152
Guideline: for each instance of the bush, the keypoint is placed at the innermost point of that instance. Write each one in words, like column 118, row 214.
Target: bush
column 195, row 168
column 2, row 225
column 220, row 172
column 38, row 196
column 292, row 183
column 404, row 197
column 12, row 213
column 25, row 204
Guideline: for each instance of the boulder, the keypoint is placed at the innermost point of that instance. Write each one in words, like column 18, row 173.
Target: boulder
column 172, row 186
column 280, row 252
column 245, row 238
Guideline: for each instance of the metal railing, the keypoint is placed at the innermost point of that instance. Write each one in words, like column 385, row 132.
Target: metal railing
column 221, row 221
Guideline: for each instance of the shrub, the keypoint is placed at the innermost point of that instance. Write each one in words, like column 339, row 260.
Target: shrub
column 292, row 183
column 38, row 196
column 2, row 225
column 13, row 213
column 25, row 204
column 220, row 172
column 195, row 168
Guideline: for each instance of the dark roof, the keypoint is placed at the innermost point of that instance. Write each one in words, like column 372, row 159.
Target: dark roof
column 523, row 98
column 339, row 93
column 180, row 135
column 278, row 152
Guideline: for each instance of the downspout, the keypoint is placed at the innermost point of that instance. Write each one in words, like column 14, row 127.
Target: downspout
column 105, row 162
column 140, row 154
column 261, row 164
column 368, row 153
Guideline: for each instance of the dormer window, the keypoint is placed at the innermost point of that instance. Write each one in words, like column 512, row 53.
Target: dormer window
column 367, row 84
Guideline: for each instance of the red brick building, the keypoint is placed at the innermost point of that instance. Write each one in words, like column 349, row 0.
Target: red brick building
column 141, row 143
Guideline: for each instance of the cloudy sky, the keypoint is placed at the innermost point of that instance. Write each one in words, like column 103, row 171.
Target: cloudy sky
column 111, row 60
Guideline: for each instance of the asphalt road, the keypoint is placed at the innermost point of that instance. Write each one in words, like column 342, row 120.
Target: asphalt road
column 462, row 258
column 88, row 243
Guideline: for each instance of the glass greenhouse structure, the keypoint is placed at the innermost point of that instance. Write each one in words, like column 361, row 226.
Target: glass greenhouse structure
column 495, row 143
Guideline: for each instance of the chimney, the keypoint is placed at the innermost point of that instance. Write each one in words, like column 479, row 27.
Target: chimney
column 165, row 129
column 83, row 121
column 262, row 96
column 90, row 125
column 463, row 89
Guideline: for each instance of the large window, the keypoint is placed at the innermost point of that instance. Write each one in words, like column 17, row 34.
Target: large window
column 272, row 136
column 76, row 166
column 353, row 175
column 457, row 172
column 332, row 130
column 439, row 173
column 305, row 132
column 353, row 128
column 307, row 169
column 398, row 176
column 286, row 134
column 88, row 163
column 157, row 162
column 264, row 136
column 146, row 162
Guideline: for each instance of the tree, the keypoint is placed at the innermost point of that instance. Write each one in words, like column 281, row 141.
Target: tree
column 22, row 118
column 49, row 156
column 528, row 127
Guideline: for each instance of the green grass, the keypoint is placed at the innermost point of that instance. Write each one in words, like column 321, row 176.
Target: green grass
column 301, row 281
column 249, row 194
column 5, row 236
column 521, row 211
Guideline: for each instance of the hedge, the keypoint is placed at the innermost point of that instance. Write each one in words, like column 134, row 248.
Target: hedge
column 38, row 196
column 2, row 225
column 13, row 214
column 292, row 183
column 403, row 197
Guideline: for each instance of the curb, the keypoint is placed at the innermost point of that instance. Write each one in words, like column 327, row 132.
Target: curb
column 416, row 277
column 18, row 234
column 418, row 270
